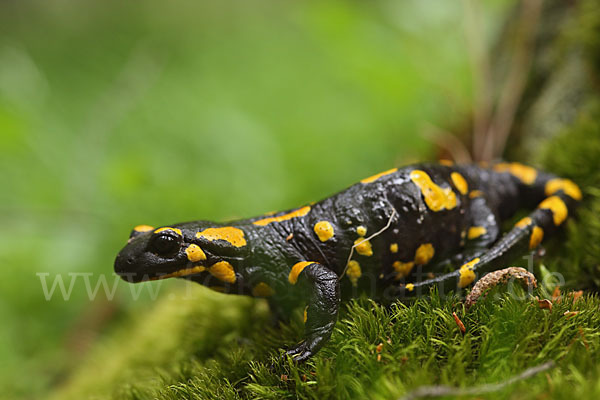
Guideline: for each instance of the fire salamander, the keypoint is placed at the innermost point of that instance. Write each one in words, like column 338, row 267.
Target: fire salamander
column 391, row 236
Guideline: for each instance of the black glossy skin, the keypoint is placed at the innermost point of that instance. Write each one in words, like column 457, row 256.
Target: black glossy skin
column 393, row 199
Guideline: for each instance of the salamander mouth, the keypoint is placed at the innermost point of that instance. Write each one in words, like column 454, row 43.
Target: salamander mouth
column 180, row 273
column 134, row 269
column 132, row 274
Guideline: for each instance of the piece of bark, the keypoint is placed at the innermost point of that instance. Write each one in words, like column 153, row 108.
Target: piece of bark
column 500, row 277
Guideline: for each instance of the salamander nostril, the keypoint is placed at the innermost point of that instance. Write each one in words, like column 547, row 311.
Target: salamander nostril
column 130, row 260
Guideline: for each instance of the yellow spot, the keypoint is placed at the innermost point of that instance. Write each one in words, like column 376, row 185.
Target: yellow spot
column 379, row 175
column 143, row 228
column 297, row 269
column 234, row 236
column 324, row 230
column 424, row 253
column 168, row 228
column 363, row 247
column 402, row 268
column 566, row 185
column 459, row 182
column 182, row 272
column 361, row 230
column 353, row 272
column 195, row 253
column 558, row 208
column 394, row 247
column 467, row 276
column 447, row 163
column 436, row 198
column 537, row 235
column 475, row 193
column 262, row 290
column 524, row 223
column 305, row 314
column 410, row 287
column 525, row 174
column 223, row 271
column 476, row 231
column 219, row 289
column 301, row 212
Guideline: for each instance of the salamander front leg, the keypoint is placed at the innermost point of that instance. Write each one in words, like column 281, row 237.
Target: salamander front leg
column 321, row 315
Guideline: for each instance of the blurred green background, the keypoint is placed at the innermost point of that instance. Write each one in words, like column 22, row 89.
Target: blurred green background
column 114, row 114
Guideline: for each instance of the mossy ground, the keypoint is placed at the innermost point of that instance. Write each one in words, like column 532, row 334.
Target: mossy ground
column 208, row 346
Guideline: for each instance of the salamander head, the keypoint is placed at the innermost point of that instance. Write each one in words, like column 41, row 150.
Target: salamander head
column 183, row 250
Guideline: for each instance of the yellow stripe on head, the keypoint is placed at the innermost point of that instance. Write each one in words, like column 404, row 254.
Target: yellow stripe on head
column 143, row 228
column 234, row 236
column 168, row 228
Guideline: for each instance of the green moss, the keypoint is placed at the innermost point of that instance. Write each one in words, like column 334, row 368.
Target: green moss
column 575, row 154
column 182, row 349
column 588, row 32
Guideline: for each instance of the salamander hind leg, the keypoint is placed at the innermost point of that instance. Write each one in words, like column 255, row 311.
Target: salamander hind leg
column 526, row 235
column 483, row 230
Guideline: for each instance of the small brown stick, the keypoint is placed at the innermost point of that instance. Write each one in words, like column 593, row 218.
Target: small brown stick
column 496, row 278
column 576, row 295
column 545, row 304
column 570, row 314
column 460, row 324
column 556, row 295
column 439, row 391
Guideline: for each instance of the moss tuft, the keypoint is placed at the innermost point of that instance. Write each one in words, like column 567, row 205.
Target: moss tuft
column 575, row 154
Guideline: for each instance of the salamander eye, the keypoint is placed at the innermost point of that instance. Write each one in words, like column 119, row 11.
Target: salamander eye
column 165, row 243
